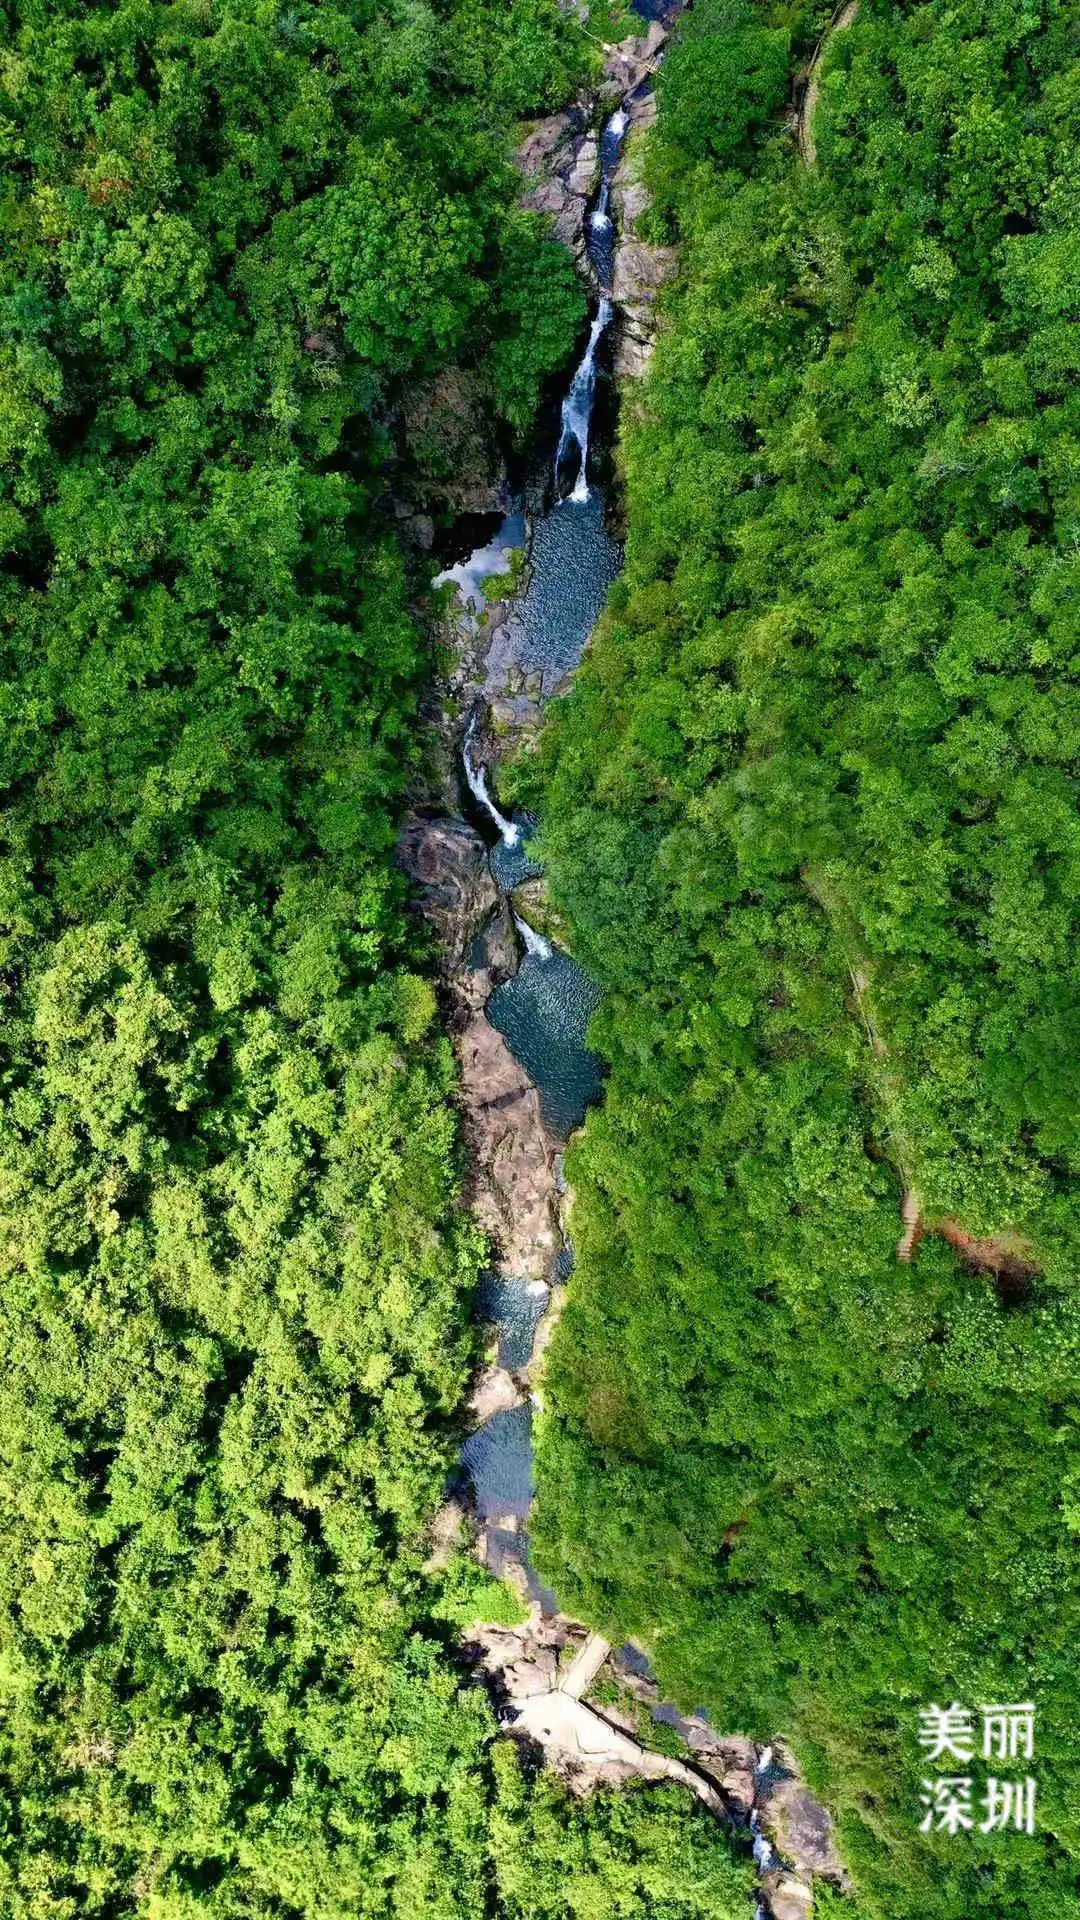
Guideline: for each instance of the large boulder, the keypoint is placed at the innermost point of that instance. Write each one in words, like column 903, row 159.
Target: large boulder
column 800, row 1829
column 786, row 1896
column 512, row 1159
column 559, row 159
column 448, row 862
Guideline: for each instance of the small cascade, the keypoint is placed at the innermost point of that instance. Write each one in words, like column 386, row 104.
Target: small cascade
column 477, row 779
column 535, row 945
column 764, row 1854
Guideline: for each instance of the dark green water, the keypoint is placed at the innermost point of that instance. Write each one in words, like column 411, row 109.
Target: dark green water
column 573, row 561
column 543, row 1013
column 515, row 1307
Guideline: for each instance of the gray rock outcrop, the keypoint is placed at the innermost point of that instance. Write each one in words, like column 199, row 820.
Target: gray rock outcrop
column 642, row 269
column 559, row 159
column 799, row 1826
column 449, row 865
column 512, row 1159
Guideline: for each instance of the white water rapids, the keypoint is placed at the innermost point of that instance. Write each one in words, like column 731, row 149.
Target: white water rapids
column 578, row 404
column 535, row 944
column 478, row 787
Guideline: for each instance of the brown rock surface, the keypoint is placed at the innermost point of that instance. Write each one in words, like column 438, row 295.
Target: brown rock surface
column 640, row 273
column 786, row 1897
column 801, row 1830
column 448, row 862
column 559, row 158
column 495, row 1391
column 511, row 1157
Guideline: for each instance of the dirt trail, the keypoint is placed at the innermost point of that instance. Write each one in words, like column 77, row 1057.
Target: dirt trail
column 1007, row 1256
column 804, row 124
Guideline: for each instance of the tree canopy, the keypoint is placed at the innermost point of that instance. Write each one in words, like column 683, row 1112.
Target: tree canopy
column 811, row 813
column 235, row 1276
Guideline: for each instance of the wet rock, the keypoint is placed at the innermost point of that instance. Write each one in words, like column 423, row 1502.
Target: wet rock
column 494, row 1392
column 737, row 1786
column 642, row 110
column 448, row 862
column 800, row 1828
column 532, row 902
column 511, row 1157
column 786, row 1898
column 496, row 953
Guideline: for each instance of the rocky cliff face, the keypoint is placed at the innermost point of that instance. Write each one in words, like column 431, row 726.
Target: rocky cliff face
column 559, row 159
column 512, row 1159
column 642, row 269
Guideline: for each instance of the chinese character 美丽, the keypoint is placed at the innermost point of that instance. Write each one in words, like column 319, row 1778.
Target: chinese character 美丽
column 947, row 1730
column 948, row 1804
column 1008, row 1732
column 1009, row 1803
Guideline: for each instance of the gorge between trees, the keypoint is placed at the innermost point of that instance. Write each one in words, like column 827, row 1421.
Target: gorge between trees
column 520, row 1020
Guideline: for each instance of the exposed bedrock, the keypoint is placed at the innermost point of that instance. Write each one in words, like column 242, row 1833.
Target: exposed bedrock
column 559, row 159
column 512, row 1158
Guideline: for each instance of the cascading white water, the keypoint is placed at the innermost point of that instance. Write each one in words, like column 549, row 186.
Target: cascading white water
column 535, row 944
column 600, row 218
column 577, row 407
column 764, row 1854
column 477, row 780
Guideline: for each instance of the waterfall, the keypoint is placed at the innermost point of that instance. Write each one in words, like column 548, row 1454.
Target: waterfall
column 477, row 780
column 577, row 407
column 535, row 944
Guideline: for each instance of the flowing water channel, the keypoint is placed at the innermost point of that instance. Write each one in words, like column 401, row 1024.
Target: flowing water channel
column 543, row 1011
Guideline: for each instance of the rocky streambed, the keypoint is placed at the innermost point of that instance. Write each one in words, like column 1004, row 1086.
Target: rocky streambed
column 517, row 1008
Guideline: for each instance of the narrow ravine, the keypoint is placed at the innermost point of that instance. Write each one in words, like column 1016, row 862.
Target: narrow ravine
column 519, row 1009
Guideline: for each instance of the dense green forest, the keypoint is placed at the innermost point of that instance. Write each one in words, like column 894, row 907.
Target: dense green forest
column 811, row 810
column 235, row 1279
